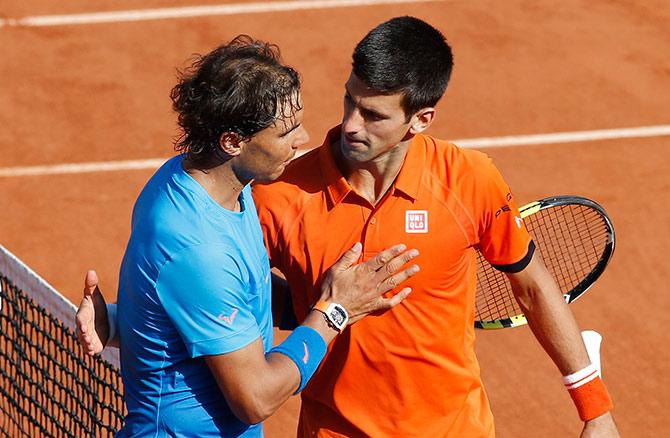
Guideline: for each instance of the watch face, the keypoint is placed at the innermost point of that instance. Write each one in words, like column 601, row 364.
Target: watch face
column 338, row 316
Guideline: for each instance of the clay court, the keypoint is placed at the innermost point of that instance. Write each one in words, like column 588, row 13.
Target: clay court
column 85, row 119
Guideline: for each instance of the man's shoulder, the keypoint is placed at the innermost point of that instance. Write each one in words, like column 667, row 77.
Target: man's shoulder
column 452, row 152
column 443, row 155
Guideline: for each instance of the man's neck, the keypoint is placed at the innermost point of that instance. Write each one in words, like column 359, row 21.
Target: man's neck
column 374, row 178
column 219, row 181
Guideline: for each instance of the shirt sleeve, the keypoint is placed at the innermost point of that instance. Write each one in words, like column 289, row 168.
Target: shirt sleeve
column 204, row 292
column 504, row 240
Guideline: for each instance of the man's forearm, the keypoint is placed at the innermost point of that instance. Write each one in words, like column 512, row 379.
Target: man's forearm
column 549, row 317
column 555, row 327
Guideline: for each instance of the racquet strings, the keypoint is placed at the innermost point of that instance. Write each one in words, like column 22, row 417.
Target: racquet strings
column 571, row 240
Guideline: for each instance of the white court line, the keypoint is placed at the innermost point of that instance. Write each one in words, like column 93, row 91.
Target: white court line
column 103, row 166
column 565, row 137
column 192, row 11
column 477, row 143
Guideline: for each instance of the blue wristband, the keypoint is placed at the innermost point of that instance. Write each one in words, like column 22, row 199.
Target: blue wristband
column 306, row 348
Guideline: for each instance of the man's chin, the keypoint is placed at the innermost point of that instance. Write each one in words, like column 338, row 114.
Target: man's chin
column 265, row 179
column 275, row 176
column 354, row 152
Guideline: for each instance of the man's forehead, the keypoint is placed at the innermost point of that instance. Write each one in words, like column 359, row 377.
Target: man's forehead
column 287, row 111
column 357, row 89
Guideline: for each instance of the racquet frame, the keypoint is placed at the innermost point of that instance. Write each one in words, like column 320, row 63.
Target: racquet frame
column 532, row 208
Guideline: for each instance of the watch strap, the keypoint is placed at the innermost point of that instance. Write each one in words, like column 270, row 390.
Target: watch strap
column 322, row 306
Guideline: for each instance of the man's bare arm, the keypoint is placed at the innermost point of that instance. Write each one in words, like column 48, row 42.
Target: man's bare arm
column 556, row 329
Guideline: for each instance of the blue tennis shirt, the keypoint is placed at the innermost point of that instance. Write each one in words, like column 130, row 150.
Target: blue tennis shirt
column 195, row 281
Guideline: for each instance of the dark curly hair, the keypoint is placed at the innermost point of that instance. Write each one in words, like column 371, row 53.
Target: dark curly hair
column 238, row 87
column 405, row 55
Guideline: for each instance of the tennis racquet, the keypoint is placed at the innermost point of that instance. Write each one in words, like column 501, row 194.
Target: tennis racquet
column 575, row 238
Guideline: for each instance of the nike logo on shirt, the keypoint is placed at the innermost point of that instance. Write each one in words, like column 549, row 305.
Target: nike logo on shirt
column 305, row 358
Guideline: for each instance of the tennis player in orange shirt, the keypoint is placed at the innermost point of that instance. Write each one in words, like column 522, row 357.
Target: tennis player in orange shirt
column 378, row 178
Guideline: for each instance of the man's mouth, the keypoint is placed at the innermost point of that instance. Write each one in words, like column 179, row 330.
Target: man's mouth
column 353, row 141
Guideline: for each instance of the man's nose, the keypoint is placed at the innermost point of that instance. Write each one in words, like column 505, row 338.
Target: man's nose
column 352, row 121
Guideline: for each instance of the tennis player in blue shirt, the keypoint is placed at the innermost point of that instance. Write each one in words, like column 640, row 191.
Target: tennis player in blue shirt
column 194, row 305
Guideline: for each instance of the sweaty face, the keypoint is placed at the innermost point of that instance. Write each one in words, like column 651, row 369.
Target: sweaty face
column 265, row 156
column 373, row 124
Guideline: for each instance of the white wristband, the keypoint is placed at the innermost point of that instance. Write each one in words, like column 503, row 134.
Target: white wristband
column 579, row 378
column 111, row 321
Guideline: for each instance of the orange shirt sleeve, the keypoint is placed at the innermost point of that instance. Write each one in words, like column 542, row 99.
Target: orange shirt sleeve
column 503, row 238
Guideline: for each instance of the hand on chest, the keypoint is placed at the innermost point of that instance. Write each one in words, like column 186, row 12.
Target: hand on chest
column 442, row 235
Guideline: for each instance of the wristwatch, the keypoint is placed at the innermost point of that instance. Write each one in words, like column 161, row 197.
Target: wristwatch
column 335, row 314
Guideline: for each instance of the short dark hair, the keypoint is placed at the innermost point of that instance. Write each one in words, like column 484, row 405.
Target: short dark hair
column 238, row 87
column 407, row 55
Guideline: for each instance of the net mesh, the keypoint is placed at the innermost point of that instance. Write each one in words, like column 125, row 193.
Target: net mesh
column 48, row 386
column 570, row 238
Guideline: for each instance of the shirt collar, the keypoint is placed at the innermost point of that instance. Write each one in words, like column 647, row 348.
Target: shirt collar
column 409, row 178
column 407, row 182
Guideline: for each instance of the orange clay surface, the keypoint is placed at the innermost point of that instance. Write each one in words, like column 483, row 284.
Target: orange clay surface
column 99, row 92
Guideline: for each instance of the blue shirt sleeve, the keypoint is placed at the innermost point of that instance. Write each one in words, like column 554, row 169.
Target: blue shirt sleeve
column 205, row 293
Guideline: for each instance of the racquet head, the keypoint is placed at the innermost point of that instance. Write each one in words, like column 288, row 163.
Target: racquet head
column 575, row 238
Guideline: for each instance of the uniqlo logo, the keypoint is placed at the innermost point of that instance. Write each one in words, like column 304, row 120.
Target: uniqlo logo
column 416, row 221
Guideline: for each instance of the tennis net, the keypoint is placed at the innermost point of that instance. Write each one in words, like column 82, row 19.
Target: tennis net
column 48, row 386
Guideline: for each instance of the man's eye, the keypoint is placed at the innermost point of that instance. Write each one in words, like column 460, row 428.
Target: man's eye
column 372, row 116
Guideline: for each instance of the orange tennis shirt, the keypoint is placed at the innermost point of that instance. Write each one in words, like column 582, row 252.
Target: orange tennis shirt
column 411, row 371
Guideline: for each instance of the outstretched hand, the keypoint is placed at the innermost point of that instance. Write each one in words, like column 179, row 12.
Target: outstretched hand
column 92, row 332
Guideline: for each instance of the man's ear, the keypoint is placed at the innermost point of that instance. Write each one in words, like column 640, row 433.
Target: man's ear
column 230, row 143
column 422, row 120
